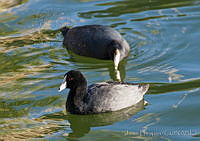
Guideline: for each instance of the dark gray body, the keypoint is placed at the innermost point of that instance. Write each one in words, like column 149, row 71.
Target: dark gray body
column 95, row 41
column 106, row 97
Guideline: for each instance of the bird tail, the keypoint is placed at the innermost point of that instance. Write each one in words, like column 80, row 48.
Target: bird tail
column 145, row 88
column 64, row 30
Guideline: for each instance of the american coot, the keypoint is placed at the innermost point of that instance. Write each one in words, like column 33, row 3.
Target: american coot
column 96, row 41
column 99, row 97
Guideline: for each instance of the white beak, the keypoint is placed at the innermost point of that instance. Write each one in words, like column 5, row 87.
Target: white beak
column 62, row 86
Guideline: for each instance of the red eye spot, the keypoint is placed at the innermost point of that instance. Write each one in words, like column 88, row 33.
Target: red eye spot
column 70, row 78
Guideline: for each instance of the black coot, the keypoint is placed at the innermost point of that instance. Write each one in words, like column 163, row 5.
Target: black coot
column 99, row 97
column 96, row 41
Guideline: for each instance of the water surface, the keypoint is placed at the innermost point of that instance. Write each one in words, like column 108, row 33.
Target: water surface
column 164, row 40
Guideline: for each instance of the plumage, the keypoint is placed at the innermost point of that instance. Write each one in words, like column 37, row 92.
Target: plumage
column 101, row 97
column 97, row 41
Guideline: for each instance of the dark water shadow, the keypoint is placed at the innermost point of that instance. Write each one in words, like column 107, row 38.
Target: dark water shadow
column 87, row 63
column 162, row 88
column 82, row 124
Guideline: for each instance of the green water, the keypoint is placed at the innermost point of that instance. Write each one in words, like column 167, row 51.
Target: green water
column 164, row 36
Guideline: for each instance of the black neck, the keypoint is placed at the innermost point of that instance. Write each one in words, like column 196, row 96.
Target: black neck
column 75, row 99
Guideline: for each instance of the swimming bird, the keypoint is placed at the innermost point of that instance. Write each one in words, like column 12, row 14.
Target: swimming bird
column 99, row 97
column 97, row 41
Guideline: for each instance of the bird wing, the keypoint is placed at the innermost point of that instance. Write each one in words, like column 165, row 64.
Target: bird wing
column 112, row 96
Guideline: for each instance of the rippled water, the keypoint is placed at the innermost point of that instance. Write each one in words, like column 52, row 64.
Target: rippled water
column 165, row 52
